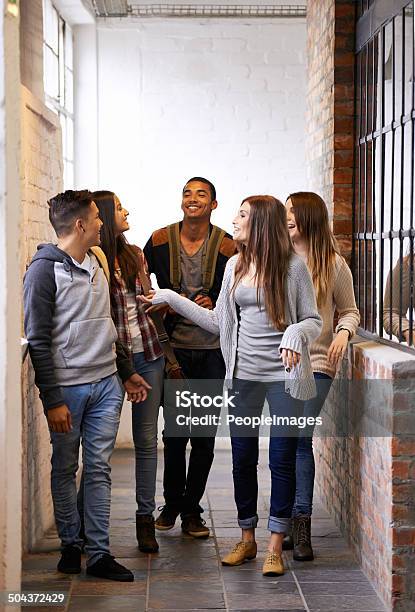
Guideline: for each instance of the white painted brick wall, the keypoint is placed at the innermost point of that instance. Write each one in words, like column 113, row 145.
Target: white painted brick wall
column 219, row 98
column 41, row 177
column 31, row 46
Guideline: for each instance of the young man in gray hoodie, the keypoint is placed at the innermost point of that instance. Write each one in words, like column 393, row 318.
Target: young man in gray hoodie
column 72, row 344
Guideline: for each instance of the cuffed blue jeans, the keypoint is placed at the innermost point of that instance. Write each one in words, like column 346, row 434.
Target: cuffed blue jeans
column 95, row 410
column 249, row 402
column 144, row 425
column 305, row 467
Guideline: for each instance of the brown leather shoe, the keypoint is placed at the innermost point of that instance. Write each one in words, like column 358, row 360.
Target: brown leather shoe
column 166, row 519
column 243, row 551
column 146, row 538
column 273, row 565
column 195, row 526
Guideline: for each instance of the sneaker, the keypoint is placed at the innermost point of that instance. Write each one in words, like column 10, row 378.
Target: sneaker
column 273, row 565
column 146, row 539
column 195, row 526
column 166, row 519
column 243, row 551
column 107, row 567
column 70, row 561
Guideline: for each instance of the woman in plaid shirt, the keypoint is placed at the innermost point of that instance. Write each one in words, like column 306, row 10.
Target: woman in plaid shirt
column 137, row 333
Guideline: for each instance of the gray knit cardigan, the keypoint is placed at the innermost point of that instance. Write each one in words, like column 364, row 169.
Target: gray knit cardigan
column 304, row 322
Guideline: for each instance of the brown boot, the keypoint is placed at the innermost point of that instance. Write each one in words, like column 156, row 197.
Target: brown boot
column 146, row 539
column 302, row 538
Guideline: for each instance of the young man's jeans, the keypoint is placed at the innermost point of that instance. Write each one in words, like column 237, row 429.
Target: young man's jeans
column 144, row 422
column 249, row 402
column 182, row 493
column 95, row 410
column 305, row 468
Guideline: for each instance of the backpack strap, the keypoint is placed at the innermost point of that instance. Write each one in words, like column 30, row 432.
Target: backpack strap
column 173, row 232
column 209, row 264
column 102, row 260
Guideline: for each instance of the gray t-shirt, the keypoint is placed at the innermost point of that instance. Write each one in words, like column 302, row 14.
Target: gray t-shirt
column 258, row 356
column 187, row 334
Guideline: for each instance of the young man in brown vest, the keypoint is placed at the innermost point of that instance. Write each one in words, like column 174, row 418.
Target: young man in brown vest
column 190, row 258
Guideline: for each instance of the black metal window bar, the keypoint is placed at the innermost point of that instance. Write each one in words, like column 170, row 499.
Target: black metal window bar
column 384, row 169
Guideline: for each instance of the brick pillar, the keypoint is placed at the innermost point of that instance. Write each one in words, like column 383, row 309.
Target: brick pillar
column 330, row 112
column 367, row 481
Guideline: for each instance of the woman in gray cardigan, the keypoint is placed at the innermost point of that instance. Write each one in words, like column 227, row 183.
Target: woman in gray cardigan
column 266, row 316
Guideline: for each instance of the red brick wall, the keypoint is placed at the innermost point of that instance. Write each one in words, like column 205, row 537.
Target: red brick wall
column 367, row 482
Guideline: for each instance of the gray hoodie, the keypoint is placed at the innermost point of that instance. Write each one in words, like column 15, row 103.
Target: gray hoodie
column 67, row 322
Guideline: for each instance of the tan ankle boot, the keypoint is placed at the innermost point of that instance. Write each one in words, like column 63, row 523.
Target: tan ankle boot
column 273, row 565
column 243, row 551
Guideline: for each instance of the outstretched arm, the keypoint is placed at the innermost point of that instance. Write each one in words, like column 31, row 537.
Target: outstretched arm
column 207, row 319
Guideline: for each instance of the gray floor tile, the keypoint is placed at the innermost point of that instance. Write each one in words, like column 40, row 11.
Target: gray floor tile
column 265, row 601
column 317, row 574
column 109, row 603
column 346, row 603
column 260, row 587
column 332, row 582
column 185, row 595
column 337, row 588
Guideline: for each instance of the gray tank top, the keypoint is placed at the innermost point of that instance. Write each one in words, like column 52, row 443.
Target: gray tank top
column 258, row 356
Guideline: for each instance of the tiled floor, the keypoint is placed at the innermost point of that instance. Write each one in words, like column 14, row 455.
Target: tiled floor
column 187, row 575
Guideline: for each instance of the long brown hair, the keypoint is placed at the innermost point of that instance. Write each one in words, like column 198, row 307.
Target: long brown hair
column 312, row 220
column 115, row 246
column 269, row 249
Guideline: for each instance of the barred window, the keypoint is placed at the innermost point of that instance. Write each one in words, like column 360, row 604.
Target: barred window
column 384, row 169
column 58, row 80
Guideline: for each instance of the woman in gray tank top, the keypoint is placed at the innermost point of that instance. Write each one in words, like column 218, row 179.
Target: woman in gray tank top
column 266, row 316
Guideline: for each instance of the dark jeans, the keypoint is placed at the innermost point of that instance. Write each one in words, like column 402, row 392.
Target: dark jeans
column 249, row 402
column 183, row 492
column 305, row 467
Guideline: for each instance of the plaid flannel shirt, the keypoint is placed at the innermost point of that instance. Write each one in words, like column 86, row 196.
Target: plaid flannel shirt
column 151, row 344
